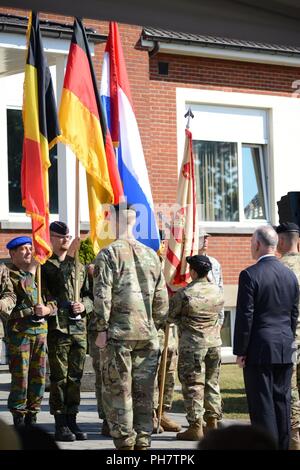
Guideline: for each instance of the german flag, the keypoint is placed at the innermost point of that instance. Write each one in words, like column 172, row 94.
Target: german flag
column 41, row 132
column 85, row 130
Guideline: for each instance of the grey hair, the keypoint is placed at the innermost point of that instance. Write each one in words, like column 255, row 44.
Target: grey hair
column 267, row 236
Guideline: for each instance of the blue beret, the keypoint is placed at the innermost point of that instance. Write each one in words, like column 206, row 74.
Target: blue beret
column 18, row 241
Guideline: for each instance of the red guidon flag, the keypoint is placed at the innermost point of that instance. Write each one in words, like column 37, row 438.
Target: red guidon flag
column 41, row 131
column 84, row 129
column 183, row 240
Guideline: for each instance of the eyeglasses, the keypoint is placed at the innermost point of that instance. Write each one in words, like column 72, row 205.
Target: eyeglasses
column 67, row 237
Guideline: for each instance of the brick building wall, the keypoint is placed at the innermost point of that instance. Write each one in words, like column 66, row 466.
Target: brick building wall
column 154, row 99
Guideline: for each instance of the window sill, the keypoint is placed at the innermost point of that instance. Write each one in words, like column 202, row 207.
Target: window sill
column 24, row 223
column 231, row 228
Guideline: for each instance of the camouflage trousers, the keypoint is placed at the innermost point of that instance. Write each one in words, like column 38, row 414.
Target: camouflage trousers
column 27, row 365
column 66, row 355
column 94, row 352
column 128, row 371
column 295, row 393
column 171, row 368
column 199, row 371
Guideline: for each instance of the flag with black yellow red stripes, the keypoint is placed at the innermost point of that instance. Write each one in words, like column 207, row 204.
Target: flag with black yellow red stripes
column 41, row 132
column 84, row 129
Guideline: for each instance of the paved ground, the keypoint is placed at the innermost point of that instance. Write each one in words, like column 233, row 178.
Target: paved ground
column 90, row 423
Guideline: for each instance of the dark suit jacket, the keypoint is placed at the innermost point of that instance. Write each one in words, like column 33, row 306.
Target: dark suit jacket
column 267, row 312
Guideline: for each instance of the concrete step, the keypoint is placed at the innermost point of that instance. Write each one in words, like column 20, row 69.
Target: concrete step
column 4, row 369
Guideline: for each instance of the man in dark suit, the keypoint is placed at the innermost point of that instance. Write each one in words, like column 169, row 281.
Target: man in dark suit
column 264, row 336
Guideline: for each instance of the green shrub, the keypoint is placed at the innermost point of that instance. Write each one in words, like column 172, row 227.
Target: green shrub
column 86, row 251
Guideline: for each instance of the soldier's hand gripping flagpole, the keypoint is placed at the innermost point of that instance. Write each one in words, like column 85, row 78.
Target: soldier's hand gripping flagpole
column 163, row 375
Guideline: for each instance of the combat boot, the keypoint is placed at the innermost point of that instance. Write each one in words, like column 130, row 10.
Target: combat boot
column 193, row 433
column 73, row 426
column 30, row 419
column 137, row 447
column 294, row 439
column 126, row 448
column 18, row 419
column 211, row 423
column 105, row 429
column 62, row 432
column 169, row 424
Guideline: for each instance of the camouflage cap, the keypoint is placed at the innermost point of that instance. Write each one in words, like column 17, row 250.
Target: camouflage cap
column 287, row 227
column 59, row 227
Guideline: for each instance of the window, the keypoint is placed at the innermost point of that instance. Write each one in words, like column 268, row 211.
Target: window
column 216, row 169
column 230, row 181
column 14, row 147
column 253, row 183
column 226, row 331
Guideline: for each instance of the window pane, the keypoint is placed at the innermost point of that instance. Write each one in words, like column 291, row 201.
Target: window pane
column 14, row 146
column 253, row 196
column 226, row 330
column 216, row 168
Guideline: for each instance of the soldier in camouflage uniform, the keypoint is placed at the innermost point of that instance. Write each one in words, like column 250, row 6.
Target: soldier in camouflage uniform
column 216, row 269
column 166, row 423
column 195, row 309
column 288, row 238
column 7, row 295
column 67, row 337
column 95, row 355
column 130, row 302
column 26, row 335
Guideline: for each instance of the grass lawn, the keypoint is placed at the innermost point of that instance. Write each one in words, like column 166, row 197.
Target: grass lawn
column 232, row 391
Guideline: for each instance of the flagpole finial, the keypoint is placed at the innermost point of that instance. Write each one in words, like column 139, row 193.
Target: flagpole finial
column 189, row 115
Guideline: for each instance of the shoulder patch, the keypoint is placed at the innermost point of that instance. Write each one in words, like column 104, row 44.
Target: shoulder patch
column 96, row 271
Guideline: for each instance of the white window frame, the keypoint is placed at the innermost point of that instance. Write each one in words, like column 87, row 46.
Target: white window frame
column 281, row 156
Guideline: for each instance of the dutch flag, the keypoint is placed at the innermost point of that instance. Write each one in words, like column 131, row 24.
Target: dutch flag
column 117, row 101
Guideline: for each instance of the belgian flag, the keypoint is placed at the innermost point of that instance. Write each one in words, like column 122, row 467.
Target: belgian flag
column 84, row 129
column 41, row 132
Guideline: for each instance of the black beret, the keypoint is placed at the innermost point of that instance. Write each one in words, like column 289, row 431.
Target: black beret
column 199, row 263
column 287, row 227
column 59, row 227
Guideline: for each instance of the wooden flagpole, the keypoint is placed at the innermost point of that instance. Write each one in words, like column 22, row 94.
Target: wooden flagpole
column 39, row 283
column 77, row 230
column 163, row 376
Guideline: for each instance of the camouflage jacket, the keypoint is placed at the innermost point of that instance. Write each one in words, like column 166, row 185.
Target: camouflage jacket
column 25, row 289
column 58, row 282
column 217, row 276
column 292, row 261
column 130, row 295
column 195, row 309
column 7, row 296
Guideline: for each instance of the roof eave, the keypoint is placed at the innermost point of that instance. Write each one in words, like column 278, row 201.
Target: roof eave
column 291, row 59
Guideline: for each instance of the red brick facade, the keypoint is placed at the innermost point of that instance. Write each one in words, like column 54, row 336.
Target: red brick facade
column 154, row 98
